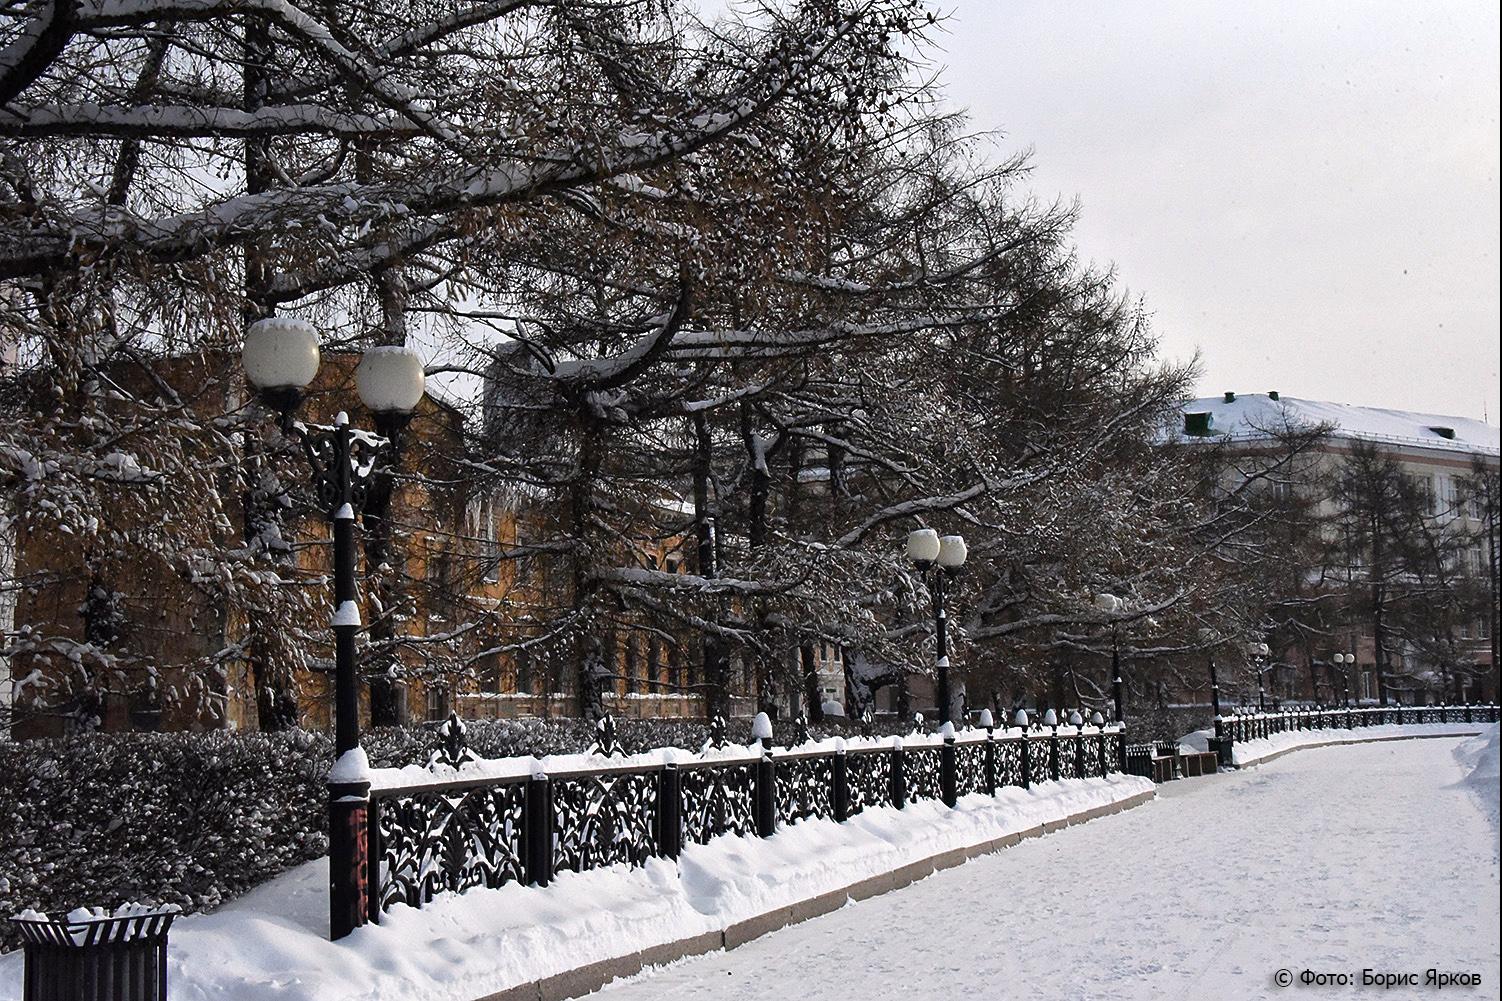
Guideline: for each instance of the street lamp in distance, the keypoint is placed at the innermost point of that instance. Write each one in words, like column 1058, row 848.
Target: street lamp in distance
column 1111, row 605
column 939, row 559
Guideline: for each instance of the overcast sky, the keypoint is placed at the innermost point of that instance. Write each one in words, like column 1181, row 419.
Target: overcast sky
column 1307, row 193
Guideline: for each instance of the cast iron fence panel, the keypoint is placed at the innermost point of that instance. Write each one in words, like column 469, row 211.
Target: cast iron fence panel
column 922, row 766
column 450, row 835
column 1009, row 762
column 1090, row 755
column 805, row 787
column 718, row 799
column 869, row 777
column 428, row 842
column 604, row 818
column 970, row 766
column 1068, row 757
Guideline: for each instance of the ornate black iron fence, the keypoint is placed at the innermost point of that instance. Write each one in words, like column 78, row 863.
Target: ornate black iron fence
column 453, row 833
column 1245, row 726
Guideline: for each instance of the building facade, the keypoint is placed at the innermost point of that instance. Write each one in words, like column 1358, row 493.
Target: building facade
column 1445, row 464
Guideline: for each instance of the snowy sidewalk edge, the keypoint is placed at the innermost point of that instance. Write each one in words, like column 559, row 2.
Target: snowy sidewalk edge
column 1278, row 753
column 593, row 976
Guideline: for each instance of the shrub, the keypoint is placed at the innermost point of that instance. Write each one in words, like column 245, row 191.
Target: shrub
column 196, row 819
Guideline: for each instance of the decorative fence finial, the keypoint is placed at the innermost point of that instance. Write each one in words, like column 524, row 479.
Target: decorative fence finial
column 868, row 725
column 800, row 730
column 761, row 731
column 718, row 737
column 453, row 746
column 606, row 743
column 918, row 723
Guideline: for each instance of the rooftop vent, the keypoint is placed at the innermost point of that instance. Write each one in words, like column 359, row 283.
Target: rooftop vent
column 1230, row 397
column 1197, row 423
column 1444, row 432
column 1272, row 394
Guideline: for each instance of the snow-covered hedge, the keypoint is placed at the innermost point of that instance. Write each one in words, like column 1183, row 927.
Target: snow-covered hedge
column 187, row 819
column 195, row 819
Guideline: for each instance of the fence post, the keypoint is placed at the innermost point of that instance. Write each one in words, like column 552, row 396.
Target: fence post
column 669, row 812
column 948, row 772
column 899, row 777
column 1079, row 751
column 373, row 841
column 990, row 764
column 1027, row 761
column 840, row 794
column 766, row 793
column 1467, row 712
column 1053, row 755
column 1101, row 747
column 537, row 827
column 349, row 856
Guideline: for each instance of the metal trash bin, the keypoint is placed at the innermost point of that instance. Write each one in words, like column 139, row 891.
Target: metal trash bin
column 95, row 956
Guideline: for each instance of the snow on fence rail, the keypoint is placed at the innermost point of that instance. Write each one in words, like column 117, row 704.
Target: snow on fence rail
column 487, row 823
column 1260, row 725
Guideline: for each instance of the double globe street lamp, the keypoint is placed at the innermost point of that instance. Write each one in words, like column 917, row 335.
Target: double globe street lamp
column 281, row 359
column 1112, row 606
column 1258, row 654
column 1343, row 662
column 944, row 556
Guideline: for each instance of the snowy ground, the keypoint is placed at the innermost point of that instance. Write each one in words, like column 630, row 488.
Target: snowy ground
column 1250, row 752
column 272, row 943
column 1334, row 860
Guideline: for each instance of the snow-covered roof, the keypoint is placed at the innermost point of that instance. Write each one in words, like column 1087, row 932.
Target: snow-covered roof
column 1250, row 416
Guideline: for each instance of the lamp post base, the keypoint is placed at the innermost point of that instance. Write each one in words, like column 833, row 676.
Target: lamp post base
column 349, row 857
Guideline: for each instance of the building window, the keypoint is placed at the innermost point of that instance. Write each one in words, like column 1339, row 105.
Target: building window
column 1368, row 684
column 1449, row 488
column 524, row 671
column 489, row 671
column 1424, row 484
column 490, row 550
column 438, row 703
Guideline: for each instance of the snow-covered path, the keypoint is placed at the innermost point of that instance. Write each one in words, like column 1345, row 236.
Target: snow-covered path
column 1331, row 860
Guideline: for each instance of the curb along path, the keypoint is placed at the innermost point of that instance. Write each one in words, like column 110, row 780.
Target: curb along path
column 1371, row 857
column 586, row 979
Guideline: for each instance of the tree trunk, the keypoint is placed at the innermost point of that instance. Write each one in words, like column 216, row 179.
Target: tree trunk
column 588, row 658
column 716, row 662
column 388, row 694
column 812, row 697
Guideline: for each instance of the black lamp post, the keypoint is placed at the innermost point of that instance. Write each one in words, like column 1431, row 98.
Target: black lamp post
column 1214, row 690
column 281, row 358
column 1343, row 662
column 1110, row 604
column 944, row 557
column 1258, row 654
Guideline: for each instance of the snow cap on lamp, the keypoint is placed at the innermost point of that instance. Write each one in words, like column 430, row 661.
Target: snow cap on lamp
column 923, row 545
column 952, row 551
column 281, row 357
